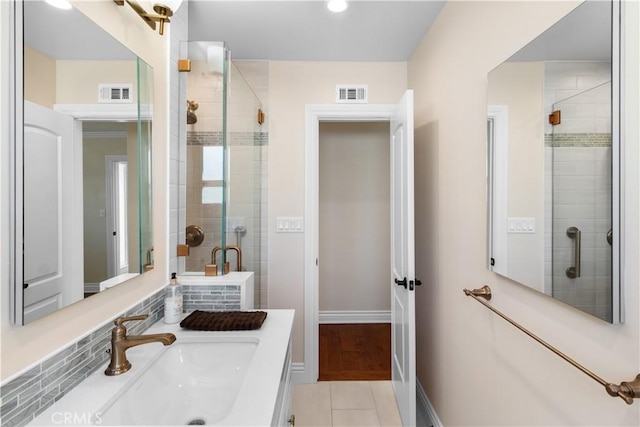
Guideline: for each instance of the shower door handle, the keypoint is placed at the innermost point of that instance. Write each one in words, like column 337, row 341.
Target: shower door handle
column 575, row 234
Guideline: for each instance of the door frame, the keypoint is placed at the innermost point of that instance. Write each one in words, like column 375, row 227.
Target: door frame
column 111, row 210
column 314, row 114
column 497, row 180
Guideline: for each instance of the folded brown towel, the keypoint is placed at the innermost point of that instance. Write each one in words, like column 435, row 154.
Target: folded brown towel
column 224, row 320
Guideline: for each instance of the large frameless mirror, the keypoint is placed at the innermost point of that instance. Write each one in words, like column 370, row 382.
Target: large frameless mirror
column 553, row 151
column 82, row 161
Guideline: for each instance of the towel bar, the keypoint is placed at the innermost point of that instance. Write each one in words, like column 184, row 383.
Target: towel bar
column 627, row 391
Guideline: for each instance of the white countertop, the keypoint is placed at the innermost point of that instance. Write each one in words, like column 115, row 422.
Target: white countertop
column 256, row 400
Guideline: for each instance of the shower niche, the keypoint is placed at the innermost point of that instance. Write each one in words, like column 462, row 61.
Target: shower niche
column 223, row 166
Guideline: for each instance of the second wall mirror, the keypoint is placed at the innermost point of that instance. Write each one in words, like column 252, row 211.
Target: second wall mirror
column 553, row 151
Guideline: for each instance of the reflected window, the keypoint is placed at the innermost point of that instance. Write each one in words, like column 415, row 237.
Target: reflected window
column 212, row 174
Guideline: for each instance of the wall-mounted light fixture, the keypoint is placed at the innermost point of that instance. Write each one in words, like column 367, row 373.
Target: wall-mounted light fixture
column 163, row 11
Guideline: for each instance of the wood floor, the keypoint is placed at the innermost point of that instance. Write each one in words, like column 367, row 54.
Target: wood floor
column 360, row 352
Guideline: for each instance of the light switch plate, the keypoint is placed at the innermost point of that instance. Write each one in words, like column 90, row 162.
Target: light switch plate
column 289, row 224
column 521, row 225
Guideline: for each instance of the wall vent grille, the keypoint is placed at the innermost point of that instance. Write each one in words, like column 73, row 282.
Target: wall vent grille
column 352, row 94
column 115, row 93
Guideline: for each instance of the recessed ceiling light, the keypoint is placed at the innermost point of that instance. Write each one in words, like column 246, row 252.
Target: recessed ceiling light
column 60, row 4
column 337, row 5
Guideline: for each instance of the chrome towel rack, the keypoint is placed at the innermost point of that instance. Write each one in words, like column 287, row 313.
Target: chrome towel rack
column 627, row 391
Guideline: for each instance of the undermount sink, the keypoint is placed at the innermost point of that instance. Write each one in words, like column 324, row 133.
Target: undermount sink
column 191, row 382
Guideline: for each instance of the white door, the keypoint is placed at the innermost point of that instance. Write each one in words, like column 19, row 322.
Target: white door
column 53, row 259
column 403, row 280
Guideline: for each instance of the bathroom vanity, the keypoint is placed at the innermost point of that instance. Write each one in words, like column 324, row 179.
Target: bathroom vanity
column 229, row 378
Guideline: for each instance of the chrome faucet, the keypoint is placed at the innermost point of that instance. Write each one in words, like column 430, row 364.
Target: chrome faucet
column 120, row 342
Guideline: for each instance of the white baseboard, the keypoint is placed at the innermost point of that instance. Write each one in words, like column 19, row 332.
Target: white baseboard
column 91, row 288
column 298, row 374
column 354, row 316
column 425, row 407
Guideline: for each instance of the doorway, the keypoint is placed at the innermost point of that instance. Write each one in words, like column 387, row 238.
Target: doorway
column 116, row 212
column 402, row 281
column 354, row 246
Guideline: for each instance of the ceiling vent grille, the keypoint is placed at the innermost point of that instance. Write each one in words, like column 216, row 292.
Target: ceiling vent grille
column 115, row 93
column 352, row 94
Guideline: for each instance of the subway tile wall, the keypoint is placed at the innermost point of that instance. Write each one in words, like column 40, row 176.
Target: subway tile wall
column 243, row 208
column 256, row 73
column 247, row 151
column 177, row 138
column 581, row 193
column 591, row 111
column 578, row 183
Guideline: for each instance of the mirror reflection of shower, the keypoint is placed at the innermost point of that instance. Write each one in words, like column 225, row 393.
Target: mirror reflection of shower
column 191, row 115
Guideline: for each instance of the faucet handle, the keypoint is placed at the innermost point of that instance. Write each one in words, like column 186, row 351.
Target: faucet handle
column 120, row 320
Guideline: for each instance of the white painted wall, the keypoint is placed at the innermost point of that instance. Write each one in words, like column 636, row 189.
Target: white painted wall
column 24, row 345
column 291, row 86
column 519, row 86
column 77, row 81
column 39, row 78
column 476, row 368
column 354, row 216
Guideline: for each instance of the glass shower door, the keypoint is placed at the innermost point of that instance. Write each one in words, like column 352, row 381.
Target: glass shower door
column 225, row 165
column 581, row 202
column 246, row 156
column 203, row 179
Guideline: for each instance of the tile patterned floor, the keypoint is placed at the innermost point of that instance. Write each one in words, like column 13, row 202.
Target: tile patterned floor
column 345, row 403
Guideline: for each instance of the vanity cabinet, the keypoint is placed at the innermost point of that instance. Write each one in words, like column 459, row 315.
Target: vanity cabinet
column 230, row 378
column 282, row 415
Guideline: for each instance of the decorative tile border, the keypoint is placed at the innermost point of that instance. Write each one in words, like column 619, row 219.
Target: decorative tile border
column 211, row 297
column 28, row 395
column 577, row 140
column 236, row 138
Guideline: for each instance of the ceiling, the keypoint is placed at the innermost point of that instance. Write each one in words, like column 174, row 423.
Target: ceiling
column 68, row 34
column 582, row 35
column 305, row 30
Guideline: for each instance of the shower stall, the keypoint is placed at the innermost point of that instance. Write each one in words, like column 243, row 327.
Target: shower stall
column 221, row 197
column 579, row 180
